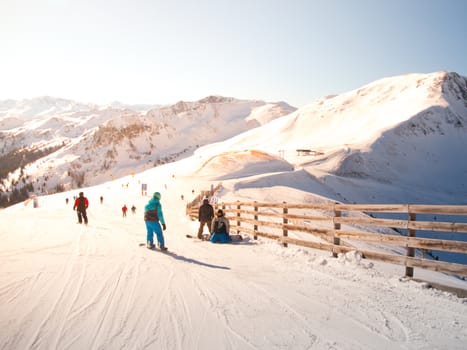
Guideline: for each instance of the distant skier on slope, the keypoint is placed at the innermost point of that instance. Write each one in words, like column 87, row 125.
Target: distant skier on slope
column 154, row 218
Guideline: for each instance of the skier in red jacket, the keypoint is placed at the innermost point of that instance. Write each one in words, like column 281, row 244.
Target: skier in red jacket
column 81, row 204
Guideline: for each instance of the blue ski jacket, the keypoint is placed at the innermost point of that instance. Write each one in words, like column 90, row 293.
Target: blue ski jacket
column 154, row 204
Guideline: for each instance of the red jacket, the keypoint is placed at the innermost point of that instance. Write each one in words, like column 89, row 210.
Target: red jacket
column 80, row 207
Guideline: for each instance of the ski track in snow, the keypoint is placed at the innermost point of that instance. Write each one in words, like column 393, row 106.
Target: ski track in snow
column 94, row 287
column 175, row 316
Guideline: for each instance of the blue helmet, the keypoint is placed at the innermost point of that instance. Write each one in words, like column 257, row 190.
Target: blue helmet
column 157, row 195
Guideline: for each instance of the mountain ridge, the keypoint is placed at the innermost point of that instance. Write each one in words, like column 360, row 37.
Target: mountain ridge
column 370, row 137
column 376, row 133
column 91, row 146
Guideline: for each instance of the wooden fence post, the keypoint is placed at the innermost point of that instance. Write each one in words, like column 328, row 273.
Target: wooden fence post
column 239, row 221
column 337, row 226
column 285, row 233
column 410, row 250
column 255, row 226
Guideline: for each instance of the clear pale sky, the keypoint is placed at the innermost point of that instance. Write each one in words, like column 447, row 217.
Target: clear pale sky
column 154, row 51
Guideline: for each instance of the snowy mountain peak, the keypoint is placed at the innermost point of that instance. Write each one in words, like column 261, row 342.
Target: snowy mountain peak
column 42, row 106
column 217, row 99
column 455, row 89
column 394, row 131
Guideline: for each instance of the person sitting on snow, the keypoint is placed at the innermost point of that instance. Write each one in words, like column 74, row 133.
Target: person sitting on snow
column 220, row 228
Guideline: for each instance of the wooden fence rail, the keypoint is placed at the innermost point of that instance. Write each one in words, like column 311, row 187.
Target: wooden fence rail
column 337, row 227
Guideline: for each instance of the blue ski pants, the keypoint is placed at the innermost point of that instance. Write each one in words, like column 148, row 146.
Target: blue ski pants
column 220, row 237
column 154, row 227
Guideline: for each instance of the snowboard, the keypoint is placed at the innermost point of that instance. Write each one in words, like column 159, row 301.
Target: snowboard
column 205, row 237
column 235, row 238
column 154, row 248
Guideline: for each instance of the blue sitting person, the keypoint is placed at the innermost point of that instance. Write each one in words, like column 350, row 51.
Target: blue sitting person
column 220, row 228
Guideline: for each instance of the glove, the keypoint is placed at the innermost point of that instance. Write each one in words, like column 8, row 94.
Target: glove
column 164, row 227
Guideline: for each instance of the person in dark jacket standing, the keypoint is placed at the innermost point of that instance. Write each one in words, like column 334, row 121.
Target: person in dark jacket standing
column 81, row 204
column 205, row 216
column 154, row 218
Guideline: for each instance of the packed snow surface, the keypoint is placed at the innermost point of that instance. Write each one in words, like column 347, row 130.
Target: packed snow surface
column 70, row 286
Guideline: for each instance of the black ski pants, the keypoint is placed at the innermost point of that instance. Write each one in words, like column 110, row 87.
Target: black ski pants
column 82, row 216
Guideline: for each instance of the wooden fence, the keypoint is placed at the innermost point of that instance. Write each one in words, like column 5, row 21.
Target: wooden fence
column 338, row 228
column 193, row 206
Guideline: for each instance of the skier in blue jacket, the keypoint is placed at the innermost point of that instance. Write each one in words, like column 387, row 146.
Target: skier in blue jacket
column 154, row 218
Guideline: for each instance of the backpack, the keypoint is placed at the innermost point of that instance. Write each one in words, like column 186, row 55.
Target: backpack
column 151, row 215
column 219, row 227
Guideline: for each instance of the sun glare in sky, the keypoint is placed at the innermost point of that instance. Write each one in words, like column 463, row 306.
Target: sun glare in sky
column 166, row 51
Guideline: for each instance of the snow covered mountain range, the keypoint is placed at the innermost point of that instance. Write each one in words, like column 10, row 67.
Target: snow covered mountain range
column 397, row 140
column 55, row 144
column 400, row 139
